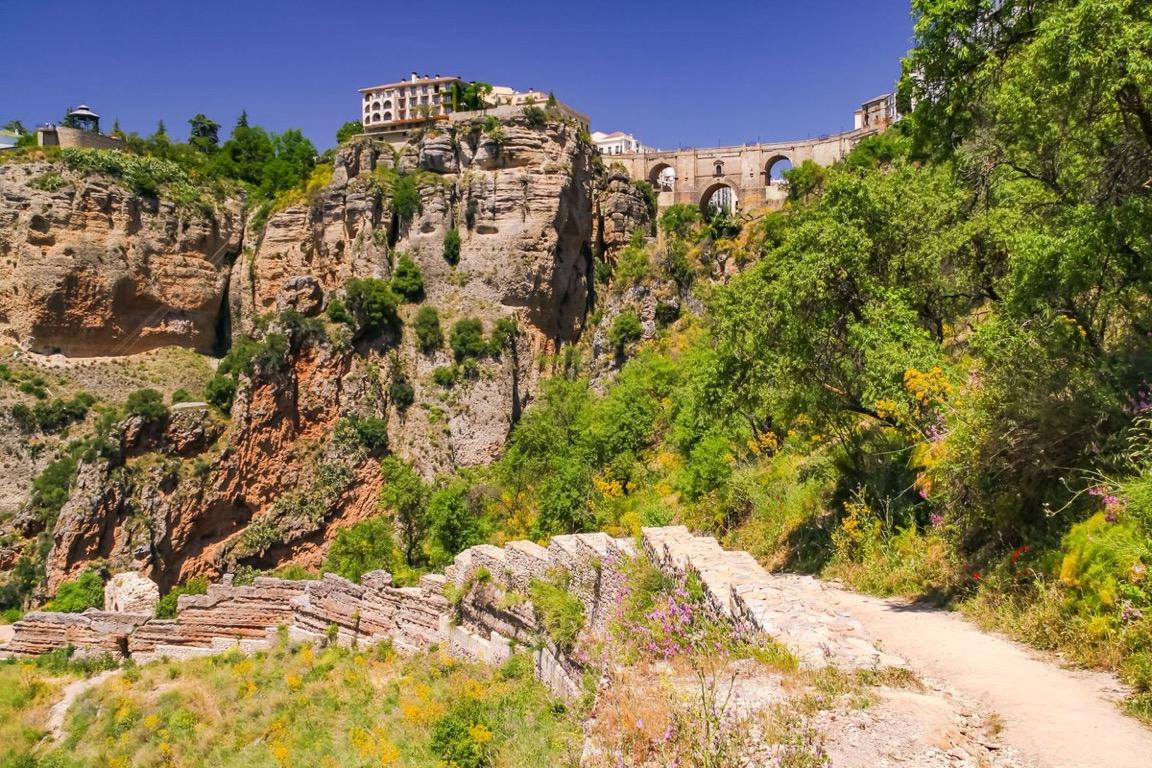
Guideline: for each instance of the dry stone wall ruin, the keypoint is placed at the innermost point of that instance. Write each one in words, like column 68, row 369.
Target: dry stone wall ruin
column 473, row 624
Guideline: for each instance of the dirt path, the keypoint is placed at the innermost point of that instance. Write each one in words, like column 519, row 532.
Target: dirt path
column 1053, row 717
column 71, row 692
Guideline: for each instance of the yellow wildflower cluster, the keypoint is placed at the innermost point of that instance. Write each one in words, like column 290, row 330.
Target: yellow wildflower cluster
column 374, row 745
column 929, row 388
column 610, row 489
column 766, row 443
column 419, row 708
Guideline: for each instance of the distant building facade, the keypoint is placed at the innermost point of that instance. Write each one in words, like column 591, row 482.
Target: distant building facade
column 618, row 143
column 416, row 99
column 394, row 108
column 877, row 113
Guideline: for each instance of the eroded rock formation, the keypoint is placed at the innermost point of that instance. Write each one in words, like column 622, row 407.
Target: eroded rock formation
column 274, row 483
column 89, row 268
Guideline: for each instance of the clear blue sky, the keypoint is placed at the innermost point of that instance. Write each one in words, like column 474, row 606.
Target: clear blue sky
column 673, row 72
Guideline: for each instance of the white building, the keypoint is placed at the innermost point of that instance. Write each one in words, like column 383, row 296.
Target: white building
column 618, row 143
column 387, row 108
column 417, row 98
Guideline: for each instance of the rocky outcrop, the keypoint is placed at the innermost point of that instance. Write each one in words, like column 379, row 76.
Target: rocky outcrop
column 89, row 268
column 131, row 593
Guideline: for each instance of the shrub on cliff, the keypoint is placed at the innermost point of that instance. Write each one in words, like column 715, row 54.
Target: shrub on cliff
column 52, row 417
column 407, row 281
column 148, row 405
column 401, row 392
column 426, row 326
column 467, row 340
column 452, row 247
column 79, row 594
column 372, row 306
column 625, row 329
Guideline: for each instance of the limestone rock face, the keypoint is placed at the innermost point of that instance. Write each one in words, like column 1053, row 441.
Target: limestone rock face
column 131, row 593
column 275, row 482
column 620, row 211
column 89, row 268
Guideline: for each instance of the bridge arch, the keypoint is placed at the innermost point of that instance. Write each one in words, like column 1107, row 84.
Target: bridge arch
column 662, row 176
column 720, row 194
column 775, row 169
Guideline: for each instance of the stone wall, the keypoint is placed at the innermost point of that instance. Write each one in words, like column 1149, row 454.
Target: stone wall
column 74, row 138
column 488, row 617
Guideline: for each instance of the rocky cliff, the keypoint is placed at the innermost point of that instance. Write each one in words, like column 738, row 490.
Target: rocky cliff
column 89, row 268
column 275, row 480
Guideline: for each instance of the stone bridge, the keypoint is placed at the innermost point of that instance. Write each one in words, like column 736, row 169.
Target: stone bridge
column 751, row 172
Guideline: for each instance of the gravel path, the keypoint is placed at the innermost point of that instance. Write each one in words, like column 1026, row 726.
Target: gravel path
column 1053, row 717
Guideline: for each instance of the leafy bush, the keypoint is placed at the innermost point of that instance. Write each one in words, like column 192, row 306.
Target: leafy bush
column 368, row 431
column 147, row 404
column 372, row 305
column 625, row 329
column 560, row 611
column 446, row 375
column 407, row 281
column 182, row 396
column 406, row 201
column 166, row 608
column 53, row 417
column 680, row 221
column 536, row 116
column 220, row 391
column 426, row 326
column 338, row 312
column 452, row 246
column 503, row 335
column 464, row 737
column 401, row 392
column 145, row 175
column 361, row 548
column 468, row 340
column 79, row 594
column 634, row 264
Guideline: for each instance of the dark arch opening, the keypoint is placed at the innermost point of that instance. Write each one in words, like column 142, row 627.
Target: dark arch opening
column 662, row 177
column 776, row 168
column 721, row 196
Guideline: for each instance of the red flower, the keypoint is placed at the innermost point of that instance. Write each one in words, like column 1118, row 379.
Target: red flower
column 1019, row 551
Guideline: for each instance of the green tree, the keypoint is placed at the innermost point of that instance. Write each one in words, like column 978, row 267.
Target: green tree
column 348, row 130
column 204, row 134
column 405, row 495
column 357, row 550
column 455, row 521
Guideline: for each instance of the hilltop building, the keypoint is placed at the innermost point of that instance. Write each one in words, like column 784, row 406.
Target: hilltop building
column 415, row 99
column 393, row 109
column 81, row 129
column 877, row 113
column 618, row 143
